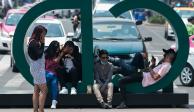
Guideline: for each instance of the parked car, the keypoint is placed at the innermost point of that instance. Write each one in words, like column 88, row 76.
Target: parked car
column 55, row 31
column 8, row 26
column 187, row 75
column 184, row 13
column 120, row 37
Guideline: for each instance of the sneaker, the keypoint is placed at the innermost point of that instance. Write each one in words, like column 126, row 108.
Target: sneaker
column 103, row 105
column 109, row 105
column 54, row 103
column 121, row 106
column 64, row 91
column 89, row 89
column 73, row 91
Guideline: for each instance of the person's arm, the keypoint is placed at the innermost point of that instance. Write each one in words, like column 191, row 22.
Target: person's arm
column 97, row 76
column 154, row 75
column 59, row 57
column 37, row 48
column 109, row 75
column 163, row 71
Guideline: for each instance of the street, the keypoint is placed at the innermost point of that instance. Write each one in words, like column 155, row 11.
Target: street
column 103, row 110
column 14, row 82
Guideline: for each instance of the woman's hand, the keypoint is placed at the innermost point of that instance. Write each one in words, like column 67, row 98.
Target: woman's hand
column 42, row 39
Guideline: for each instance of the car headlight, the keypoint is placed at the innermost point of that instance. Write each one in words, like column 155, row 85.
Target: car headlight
column 11, row 34
column 4, row 34
column 191, row 51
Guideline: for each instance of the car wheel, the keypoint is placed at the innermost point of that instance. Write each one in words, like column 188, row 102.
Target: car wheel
column 186, row 76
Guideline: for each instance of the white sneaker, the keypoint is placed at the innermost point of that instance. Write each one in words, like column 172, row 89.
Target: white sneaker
column 64, row 91
column 54, row 103
column 73, row 91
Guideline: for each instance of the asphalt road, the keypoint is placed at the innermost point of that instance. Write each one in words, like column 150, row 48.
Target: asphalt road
column 10, row 81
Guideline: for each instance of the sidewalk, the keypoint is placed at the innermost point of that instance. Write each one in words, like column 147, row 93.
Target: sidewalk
column 107, row 110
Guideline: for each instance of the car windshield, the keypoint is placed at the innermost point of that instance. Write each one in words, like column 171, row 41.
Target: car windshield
column 13, row 19
column 185, row 13
column 119, row 30
column 103, row 13
column 53, row 29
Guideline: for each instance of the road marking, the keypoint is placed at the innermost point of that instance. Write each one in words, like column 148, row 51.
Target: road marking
column 155, row 51
column 4, row 64
column 16, row 81
column 175, row 86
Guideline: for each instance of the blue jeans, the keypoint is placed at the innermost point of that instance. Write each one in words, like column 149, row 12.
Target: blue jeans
column 126, row 67
column 52, row 81
column 129, row 67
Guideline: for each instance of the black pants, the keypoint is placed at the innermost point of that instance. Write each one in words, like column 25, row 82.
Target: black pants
column 131, row 78
column 71, row 76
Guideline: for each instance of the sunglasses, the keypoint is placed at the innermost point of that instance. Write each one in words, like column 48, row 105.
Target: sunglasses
column 104, row 57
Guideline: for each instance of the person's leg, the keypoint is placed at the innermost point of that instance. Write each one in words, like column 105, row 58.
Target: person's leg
column 138, row 61
column 136, row 77
column 53, row 82
column 54, row 91
column 122, row 85
column 35, row 97
column 54, row 87
column 110, row 94
column 63, row 78
column 96, row 89
column 74, row 77
column 97, row 92
column 42, row 97
column 127, row 68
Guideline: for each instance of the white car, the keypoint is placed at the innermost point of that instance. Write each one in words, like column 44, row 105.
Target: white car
column 102, row 10
column 55, row 31
column 184, row 13
column 187, row 75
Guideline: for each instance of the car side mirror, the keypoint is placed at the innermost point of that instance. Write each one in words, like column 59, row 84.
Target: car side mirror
column 147, row 39
column 138, row 22
column 70, row 35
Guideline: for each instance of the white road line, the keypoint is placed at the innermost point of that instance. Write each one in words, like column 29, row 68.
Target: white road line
column 174, row 85
column 155, row 51
column 4, row 64
column 16, row 81
column 191, row 102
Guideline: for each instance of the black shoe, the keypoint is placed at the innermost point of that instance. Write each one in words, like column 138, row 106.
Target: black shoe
column 121, row 106
column 103, row 105
column 109, row 105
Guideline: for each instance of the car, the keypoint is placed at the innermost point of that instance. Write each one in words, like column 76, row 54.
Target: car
column 120, row 37
column 8, row 26
column 187, row 75
column 184, row 13
column 55, row 31
column 102, row 10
